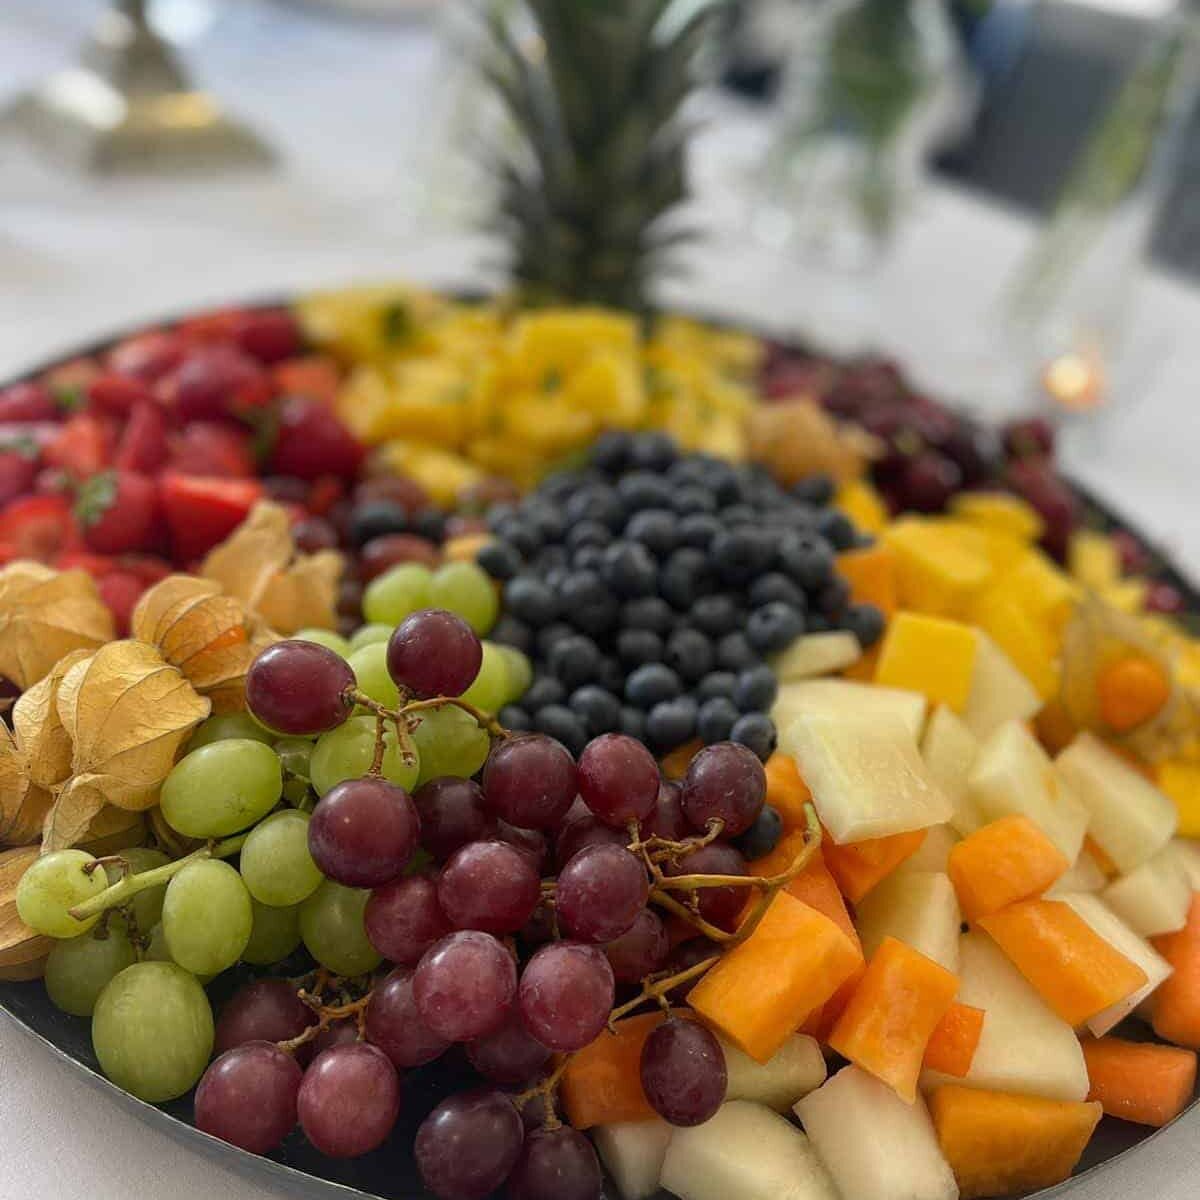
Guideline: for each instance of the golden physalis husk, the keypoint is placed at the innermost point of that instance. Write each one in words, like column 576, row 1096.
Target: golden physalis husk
column 39, row 728
column 171, row 840
column 44, row 616
column 19, row 799
column 797, row 438
column 114, row 829
column 22, row 952
column 305, row 595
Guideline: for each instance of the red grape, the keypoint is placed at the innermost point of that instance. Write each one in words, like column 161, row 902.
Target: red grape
column 247, row 1097
column 401, row 490
column 683, row 1072
column 338, row 1034
column 618, row 779
column 689, row 955
column 640, row 950
column 667, row 819
column 434, row 653
column 299, row 687
column 929, row 480
column 1165, row 598
column 1035, row 481
column 511, row 1054
column 724, row 782
column 530, row 781
column 390, row 549
column 530, row 842
column 267, row 1010
column 490, row 886
column 349, row 1100
column 600, row 893
column 363, row 832
column 556, row 1164
column 580, row 829
column 1029, row 437
column 719, row 906
column 403, row 918
column 464, row 985
column 314, row 533
column 467, row 1146
column 395, row 1026
column 566, row 995
column 269, row 334
column 452, row 814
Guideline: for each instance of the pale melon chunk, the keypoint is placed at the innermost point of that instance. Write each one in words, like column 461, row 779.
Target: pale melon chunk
column 933, row 854
column 1131, row 819
column 1187, row 855
column 1113, row 930
column 745, row 1152
column 865, row 774
column 1085, row 875
column 1014, row 775
column 917, row 908
column 1153, row 898
column 795, row 1069
column 874, row 1145
column 950, row 750
column 999, row 691
column 816, row 654
column 835, row 697
column 1024, row 1048
column 633, row 1152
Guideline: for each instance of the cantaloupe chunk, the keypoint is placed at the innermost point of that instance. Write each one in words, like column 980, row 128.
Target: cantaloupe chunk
column 841, row 697
column 1130, row 818
column 933, row 853
column 999, row 691
column 794, row 1070
column 953, row 1043
column 1024, row 1047
column 1153, row 898
column 1139, row 1081
column 1073, row 968
column 1177, row 1004
column 760, row 992
column 950, row 749
column 936, row 571
column 602, row 1083
column 999, row 1144
column 633, row 1153
column 1006, row 861
column 899, row 1159
column 871, row 573
column 930, row 655
column 859, row 867
column 745, row 1152
column 917, row 908
column 816, row 654
column 787, row 793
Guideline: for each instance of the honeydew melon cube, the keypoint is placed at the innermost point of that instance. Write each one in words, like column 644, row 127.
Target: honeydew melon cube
column 745, row 1152
column 875, row 1145
column 950, row 750
column 1130, row 819
column 840, row 696
column 865, row 774
column 917, row 908
column 938, row 571
column 933, row 854
column 795, row 1069
column 1024, row 1047
column 1187, row 855
column 999, row 691
column 1153, row 898
column 1085, row 875
column 633, row 1152
column 816, row 654
column 930, row 655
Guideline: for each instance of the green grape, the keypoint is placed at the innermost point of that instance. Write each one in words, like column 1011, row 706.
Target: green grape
column 348, row 751
column 370, row 669
column 449, row 742
column 275, row 935
column 54, row 884
column 493, row 684
column 227, row 725
column 466, row 589
column 78, row 969
column 207, row 917
column 331, row 924
column 294, row 756
column 157, row 951
column 153, row 1031
column 275, row 864
column 220, row 789
column 368, row 635
column 327, row 638
column 390, row 597
column 147, row 905
column 520, row 672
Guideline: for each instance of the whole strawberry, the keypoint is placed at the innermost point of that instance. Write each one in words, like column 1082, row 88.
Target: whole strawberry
column 118, row 511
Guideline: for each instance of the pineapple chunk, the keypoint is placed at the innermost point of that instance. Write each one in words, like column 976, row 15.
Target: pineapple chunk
column 745, row 1152
column 900, row 1159
column 950, row 750
column 930, row 655
column 837, row 697
column 865, row 774
column 556, row 340
column 1153, row 898
column 816, row 654
column 794, row 1070
column 919, row 908
column 1130, row 819
column 633, row 1152
column 999, row 691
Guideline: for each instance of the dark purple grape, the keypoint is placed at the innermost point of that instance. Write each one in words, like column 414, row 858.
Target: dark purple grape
column 667, row 820
column 299, row 688
column 469, row 1144
column 719, row 906
column 338, row 1034
column 600, row 893
column 363, row 832
column 579, row 829
column 1030, row 437
column 403, row 918
column 529, row 781
column 434, row 653
column 349, row 1100
column 530, row 842
column 509, row 1055
column 566, row 995
column 618, row 779
column 640, row 950
column 929, row 481
column 394, row 1025
column 683, row 1072
column 689, row 954
column 452, row 814
column 556, row 1164
column 464, row 985
column 724, row 782
column 267, row 1010
column 490, row 886
column 247, row 1097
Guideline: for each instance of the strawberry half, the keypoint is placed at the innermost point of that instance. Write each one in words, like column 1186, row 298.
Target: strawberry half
column 82, row 447
column 143, row 446
column 202, row 511
column 40, row 527
column 217, row 381
column 310, row 442
column 212, row 448
column 27, row 402
column 148, row 356
column 118, row 511
column 18, row 468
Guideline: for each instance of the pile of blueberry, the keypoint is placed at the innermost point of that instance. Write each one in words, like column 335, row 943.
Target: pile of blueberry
column 651, row 587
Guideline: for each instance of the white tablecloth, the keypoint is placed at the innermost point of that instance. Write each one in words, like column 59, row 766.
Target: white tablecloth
column 354, row 111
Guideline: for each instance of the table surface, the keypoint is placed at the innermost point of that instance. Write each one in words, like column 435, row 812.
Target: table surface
column 352, row 198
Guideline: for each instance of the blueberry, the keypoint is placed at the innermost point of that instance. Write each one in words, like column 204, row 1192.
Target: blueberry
column 588, row 558
column 743, row 553
column 499, row 513
column 834, row 597
column 817, row 623
column 763, row 836
column 509, row 631
column 598, row 709
column 550, row 635
column 816, row 489
column 530, row 600
column 693, row 499
column 775, row 586
column 375, row 519
column 633, row 722
column 513, row 717
column 715, row 615
column 689, row 654
column 714, row 684
column 866, row 622
column 560, row 722
column 629, row 570
column 587, row 533
column 552, row 563
column 637, row 646
column 610, row 675
column 836, row 528
column 648, row 612
column 651, row 684
column 521, row 534
column 671, row 723
column 755, row 731
column 722, row 480
column 684, row 577
column 653, row 451
column 546, row 518
column 545, row 689
column 655, row 528
column 587, row 603
column 643, row 489
column 716, row 719
column 756, row 689
column 574, row 660
column 773, row 627
column 597, row 503
column 500, row 559
column 738, row 514
column 610, row 451
column 699, row 530
column 734, row 653
column 807, row 559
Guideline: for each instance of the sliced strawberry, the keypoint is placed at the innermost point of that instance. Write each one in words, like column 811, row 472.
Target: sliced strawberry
column 118, row 395
column 96, row 565
column 316, row 376
column 40, row 527
column 202, row 511
column 268, row 334
column 83, row 446
column 52, row 481
column 27, row 402
column 148, row 356
column 71, row 376
column 217, row 381
column 143, row 446
column 146, row 567
column 219, row 325
column 213, row 448
column 118, row 511
column 310, row 442
column 121, row 590
column 18, row 467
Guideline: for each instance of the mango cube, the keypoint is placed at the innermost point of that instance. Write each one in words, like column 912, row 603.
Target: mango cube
column 937, row 572
column 863, row 505
column 871, row 574
column 1041, row 587
column 1001, row 511
column 1181, row 782
column 1094, row 559
column 1027, row 642
column 930, row 655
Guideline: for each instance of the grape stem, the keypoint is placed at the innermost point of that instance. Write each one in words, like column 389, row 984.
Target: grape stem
column 545, row 1088
column 327, row 1014
column 130, row 885
column 656, row 987
column 657, row 849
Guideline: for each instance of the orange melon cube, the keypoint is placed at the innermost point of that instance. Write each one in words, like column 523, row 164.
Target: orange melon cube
column 1004, row 862
column 953, row 1043
column 602, row 1083
column 858, row 867
column 871, row 574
